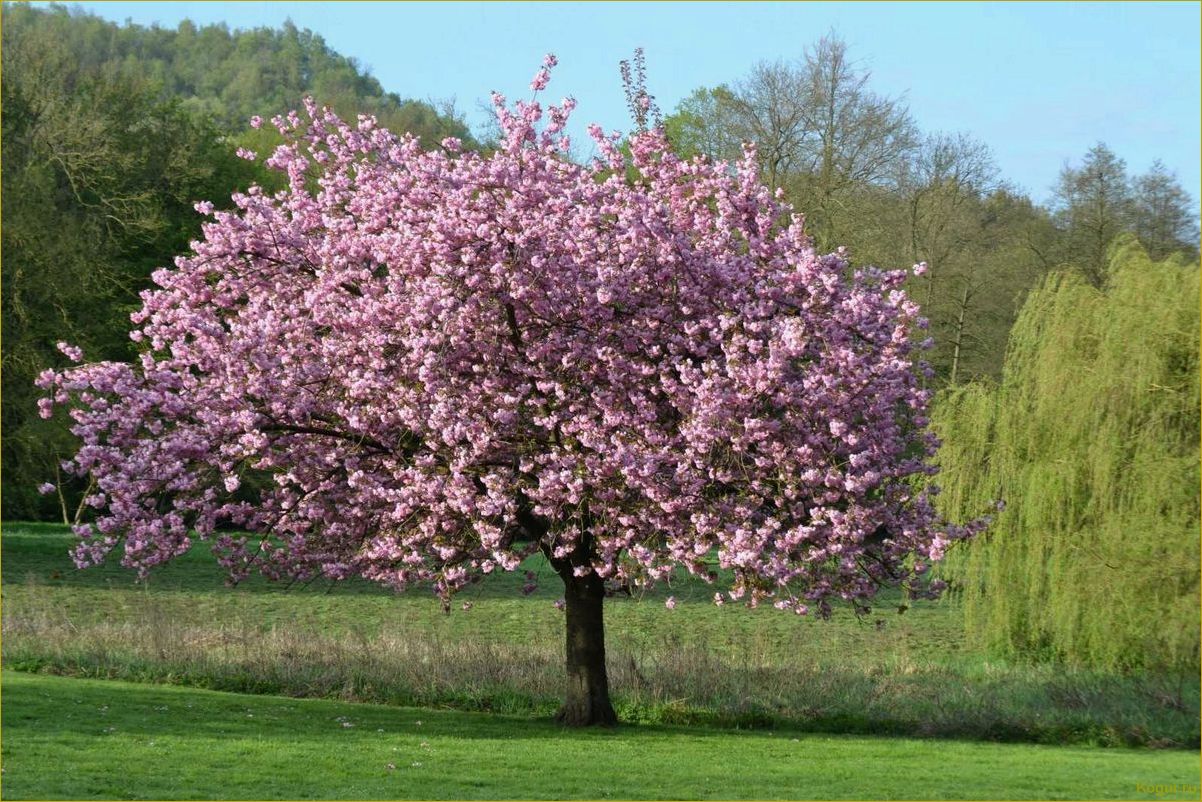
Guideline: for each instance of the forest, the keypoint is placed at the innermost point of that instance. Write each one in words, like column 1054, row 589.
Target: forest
column 1065, row 335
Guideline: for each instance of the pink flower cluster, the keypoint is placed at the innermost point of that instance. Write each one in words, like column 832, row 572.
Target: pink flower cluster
column 419, row 366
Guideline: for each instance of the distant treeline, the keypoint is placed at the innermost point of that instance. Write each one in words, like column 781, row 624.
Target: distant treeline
column 225, row 76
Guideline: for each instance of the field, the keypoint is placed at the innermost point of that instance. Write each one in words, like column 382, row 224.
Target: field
column 689, row 683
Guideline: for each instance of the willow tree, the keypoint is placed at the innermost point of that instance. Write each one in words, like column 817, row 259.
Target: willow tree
column 1092, row 439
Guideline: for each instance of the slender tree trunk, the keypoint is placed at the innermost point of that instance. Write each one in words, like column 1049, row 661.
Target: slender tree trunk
column 587, row 700
column 959, row 340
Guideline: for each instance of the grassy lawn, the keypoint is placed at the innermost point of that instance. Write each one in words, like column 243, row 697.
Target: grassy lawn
column 698, row 664
column 80, row 739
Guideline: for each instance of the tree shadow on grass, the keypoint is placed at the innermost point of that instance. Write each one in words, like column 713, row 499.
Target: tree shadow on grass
column 157, row 710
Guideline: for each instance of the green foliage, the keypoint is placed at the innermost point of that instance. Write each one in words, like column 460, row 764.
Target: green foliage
column 110, row 134
column 1092, row 439
column 706, row 123
column 99, row 177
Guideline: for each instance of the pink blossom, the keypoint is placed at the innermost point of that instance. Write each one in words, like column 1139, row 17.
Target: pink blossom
column 540, row 80
column 437, row 362
column 72, row 352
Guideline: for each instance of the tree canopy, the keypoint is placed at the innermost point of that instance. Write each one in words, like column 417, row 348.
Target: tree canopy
column 426, row 366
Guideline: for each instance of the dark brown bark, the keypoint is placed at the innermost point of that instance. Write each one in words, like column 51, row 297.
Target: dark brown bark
column 587, row 700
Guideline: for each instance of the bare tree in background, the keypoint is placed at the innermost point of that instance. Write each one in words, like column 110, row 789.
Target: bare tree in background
column 982, row 287
column 854, row 136
column 771, row 109
column 944, row 175
column 820, row 132
column 1163, row 212
column 1092, row 204
column 944, row 183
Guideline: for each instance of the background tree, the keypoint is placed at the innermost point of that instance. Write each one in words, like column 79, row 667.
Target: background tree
column 819, row 131
column 1092, row 438
column 99, row 175
column 982, row 287
column 1163, row 214
column 707, row 123
column 942, row 181
column 856, row 137
column 429, row 380
column 1093, row 205
column 968, row 229
column 771, row 109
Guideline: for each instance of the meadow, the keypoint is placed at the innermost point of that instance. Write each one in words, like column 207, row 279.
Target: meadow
column 696, row 678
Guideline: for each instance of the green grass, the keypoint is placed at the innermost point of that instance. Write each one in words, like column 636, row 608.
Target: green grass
column 192, row 586
column 83, row 739
column 697, row 664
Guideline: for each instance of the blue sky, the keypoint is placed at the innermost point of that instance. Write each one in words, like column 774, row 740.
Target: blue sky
column 1039, row 83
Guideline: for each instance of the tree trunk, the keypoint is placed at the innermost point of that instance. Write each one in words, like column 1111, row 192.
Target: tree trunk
column 587, row 701
column 959, row 340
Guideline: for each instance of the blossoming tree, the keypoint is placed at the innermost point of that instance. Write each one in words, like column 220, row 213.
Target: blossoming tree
column 423, row 367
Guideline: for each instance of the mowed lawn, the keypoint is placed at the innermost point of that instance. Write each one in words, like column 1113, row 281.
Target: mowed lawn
column 82, row 739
